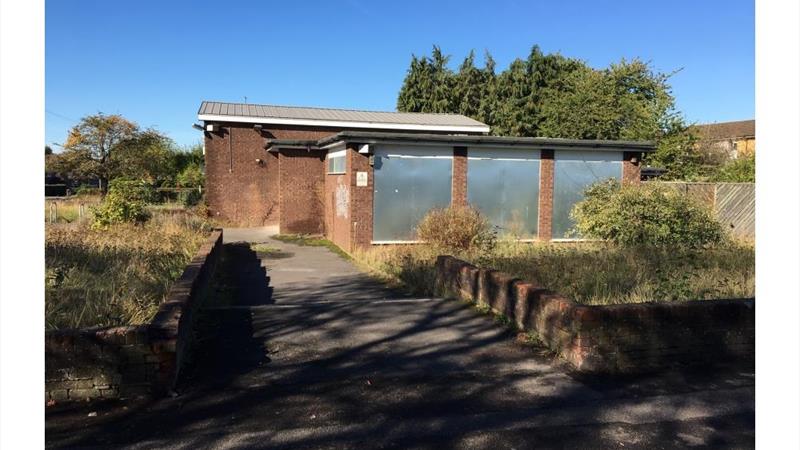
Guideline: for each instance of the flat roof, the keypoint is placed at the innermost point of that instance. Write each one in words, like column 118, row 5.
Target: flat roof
column 342, row 118
column 371, row 137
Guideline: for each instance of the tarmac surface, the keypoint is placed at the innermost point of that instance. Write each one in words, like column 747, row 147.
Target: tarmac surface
column 302, row 350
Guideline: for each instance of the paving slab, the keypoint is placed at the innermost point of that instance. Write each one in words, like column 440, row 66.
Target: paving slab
column 309, row 352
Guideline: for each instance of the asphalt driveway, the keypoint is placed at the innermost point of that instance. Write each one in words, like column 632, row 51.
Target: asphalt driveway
column 302, row 350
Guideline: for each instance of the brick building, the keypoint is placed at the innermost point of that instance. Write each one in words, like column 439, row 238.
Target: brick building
column 363, row 178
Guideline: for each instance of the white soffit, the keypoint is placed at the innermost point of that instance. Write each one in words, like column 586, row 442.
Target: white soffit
column 343, row 124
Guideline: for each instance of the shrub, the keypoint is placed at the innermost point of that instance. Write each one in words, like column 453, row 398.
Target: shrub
column 190, row 198
column 191, row 176
column 645, row 215
column 126, row 201
column 457, row 229
column 741, row 170
column 86, row 190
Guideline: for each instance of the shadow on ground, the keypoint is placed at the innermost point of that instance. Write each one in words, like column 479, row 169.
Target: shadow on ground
column 345, row 363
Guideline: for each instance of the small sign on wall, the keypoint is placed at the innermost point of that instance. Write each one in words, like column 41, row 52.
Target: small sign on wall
column 361, row 179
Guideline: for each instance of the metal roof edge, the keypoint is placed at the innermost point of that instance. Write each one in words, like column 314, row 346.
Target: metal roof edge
column 343, row 123
column 368, row 137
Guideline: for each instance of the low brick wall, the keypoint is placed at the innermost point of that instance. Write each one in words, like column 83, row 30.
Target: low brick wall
column 628, row 338
column 127, row 361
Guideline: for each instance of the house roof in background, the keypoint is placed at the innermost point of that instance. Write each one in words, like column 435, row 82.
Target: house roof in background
column 726, row 130
column 294, row 115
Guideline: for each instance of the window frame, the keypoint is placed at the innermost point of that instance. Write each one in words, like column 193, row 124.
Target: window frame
column 330, row 162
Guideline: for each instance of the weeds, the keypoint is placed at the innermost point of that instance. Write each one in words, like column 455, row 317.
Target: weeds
column 590, row 273
column 115, row 276
column 312, row 241
column 268, row 251
column 69, row 210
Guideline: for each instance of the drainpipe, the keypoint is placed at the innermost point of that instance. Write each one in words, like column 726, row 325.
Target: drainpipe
column 230, row 150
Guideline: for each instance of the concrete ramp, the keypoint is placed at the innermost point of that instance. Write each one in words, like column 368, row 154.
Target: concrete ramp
column 305, row 351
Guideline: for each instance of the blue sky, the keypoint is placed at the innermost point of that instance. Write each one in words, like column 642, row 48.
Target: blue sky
column 153, row 62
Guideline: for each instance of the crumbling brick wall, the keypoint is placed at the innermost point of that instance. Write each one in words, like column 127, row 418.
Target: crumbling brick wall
column 625, row 338
column 132, row 360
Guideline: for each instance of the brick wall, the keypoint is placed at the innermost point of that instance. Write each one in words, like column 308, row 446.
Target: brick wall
column 134, row 360
column 631, row 170
column 238, row 189
column 459, row 192
column 630, row 338
column 337, row 208
column 361, row 207
column 290, row 189
column 302, row 191
column 546, row 175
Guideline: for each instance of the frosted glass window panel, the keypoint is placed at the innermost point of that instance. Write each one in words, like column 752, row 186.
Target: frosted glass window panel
column 574, row 172
column 409, row 182
column 504, row 185
column 336, row 162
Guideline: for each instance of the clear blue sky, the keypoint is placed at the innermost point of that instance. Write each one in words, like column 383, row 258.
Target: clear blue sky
column 153, row 62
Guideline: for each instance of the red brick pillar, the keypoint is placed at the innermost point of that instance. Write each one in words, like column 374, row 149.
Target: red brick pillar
column 459, row 183
column 360, row 199
column 546, row 173
column 631, row 170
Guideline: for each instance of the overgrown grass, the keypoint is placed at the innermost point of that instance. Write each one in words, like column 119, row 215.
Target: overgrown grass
column 590, row 273
column 410, row 267
column 116, row 276
column 67, row 210
column 312, row 241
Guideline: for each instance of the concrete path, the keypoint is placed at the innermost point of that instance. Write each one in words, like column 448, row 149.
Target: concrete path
column 304, row 351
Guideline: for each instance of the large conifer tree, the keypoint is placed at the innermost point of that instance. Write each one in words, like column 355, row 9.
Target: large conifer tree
column 550, row 95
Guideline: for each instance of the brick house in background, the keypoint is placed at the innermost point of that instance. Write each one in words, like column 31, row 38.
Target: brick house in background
column 363, row 177
column 725, row 141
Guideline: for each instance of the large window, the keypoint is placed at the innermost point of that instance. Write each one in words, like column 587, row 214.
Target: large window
column 504, row 185
column 409, row 181
column 337, row 162
column 574, row 172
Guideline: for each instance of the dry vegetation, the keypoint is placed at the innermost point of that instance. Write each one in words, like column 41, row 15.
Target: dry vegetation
column 115, row 276
column 67, row 210
column 589, row 273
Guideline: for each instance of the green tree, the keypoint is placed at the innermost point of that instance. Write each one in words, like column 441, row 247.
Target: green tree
column 187, row 156
column 676, row 152
column 105, row 147
column 468, row 87
column 428, row 86
column 92, row 143
column 488, row 104
column 551, row 95
column 628, row 100
column 513, row 108
column 191, row 176
column 413, row 95
column 441, row 100
column 148, row 156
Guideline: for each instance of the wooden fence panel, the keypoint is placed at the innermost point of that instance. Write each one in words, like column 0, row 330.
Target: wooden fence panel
column 733, row 203
column 736, row 208
column 702, row 192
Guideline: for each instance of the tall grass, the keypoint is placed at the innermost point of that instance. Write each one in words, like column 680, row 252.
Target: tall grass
column 67, row 210
column 589, row 273
column 116, row 276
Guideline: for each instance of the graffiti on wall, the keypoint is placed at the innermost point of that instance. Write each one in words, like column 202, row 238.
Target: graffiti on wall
column 342, row 200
